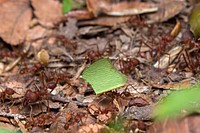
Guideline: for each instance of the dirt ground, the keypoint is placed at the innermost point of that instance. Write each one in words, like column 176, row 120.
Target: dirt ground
column 42, row 59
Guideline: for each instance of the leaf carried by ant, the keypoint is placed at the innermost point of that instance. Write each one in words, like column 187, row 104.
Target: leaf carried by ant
column 103, row 76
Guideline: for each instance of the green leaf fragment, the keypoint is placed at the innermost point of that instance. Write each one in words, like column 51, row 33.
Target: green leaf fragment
column 103, row 76
column 186, row 99
column 4, row 130
column 67, row 6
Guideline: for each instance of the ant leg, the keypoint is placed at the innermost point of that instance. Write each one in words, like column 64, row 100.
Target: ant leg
column 48, row 109
column 186, row 59
column 42, row 76
column 31, row 111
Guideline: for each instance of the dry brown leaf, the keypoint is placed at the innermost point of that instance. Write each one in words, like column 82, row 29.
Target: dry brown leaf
column 91, row 128
column 166, row 11
column 97, row 6
column 119, row 9
column 186, row 125
column 106, row 21
column 176, row 29
column 37, row 32
column 15, row 18
column 130, row 8
column 179, row 85
column 79, row 15
column 140, row 113
column 47, row 12
column 16, row 86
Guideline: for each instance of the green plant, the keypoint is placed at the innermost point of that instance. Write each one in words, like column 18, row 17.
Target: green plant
column 68, row 5
column 187, row 99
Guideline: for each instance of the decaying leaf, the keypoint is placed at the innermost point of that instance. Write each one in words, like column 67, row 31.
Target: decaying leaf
column 176, row 29
column 140, row 113
column 78, row 14
column 106, row 21
column 91, row 128
column 186, row 125
column 15, row 17
column 167, row 10
column 47, row 12
column 97, row 6
column 37, row 32
column 167, row 59
column 130, row 8
column 119, row 9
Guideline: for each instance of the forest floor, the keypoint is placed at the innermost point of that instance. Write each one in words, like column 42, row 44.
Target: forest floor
column 42, row 60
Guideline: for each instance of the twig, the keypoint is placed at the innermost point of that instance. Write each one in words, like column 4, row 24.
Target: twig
column 2, row 113
column 66, row 100
column 79, row 71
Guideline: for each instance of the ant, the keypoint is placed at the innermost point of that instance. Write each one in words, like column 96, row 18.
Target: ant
column 32, row 69
column 127, row 66
column 40, row 93
column 157, row 50
column 41, row 120
column 6, row 53
column 94, row 55
column 8, row 92
column 190, row 53
column 72, row 119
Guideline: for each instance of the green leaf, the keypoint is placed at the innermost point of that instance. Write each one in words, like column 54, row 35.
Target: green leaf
column 195, row 21
column 67, row 6
column 4, row 130
column 187, row 99
column 103, row 76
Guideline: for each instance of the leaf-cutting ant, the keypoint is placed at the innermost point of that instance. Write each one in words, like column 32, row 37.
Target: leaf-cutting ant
column 31, row 69
column 41, row 120
column 39, row 93
column 127, row 66
column 156, row 51
column 8, row 92
column 94, row 55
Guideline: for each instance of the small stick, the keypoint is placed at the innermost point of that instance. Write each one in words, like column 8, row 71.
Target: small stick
column 2, row 113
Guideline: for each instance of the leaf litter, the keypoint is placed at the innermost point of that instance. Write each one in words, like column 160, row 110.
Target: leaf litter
column 59, row 99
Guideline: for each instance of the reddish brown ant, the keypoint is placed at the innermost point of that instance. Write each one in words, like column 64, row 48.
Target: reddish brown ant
column 94, row 55
column 156, row 51
column 74, row 118
column 8, row 92
column 6, row 53
column 41, row 120
column 127, row 66
column 32, row 69
column 189, row 56
column 40, row 93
